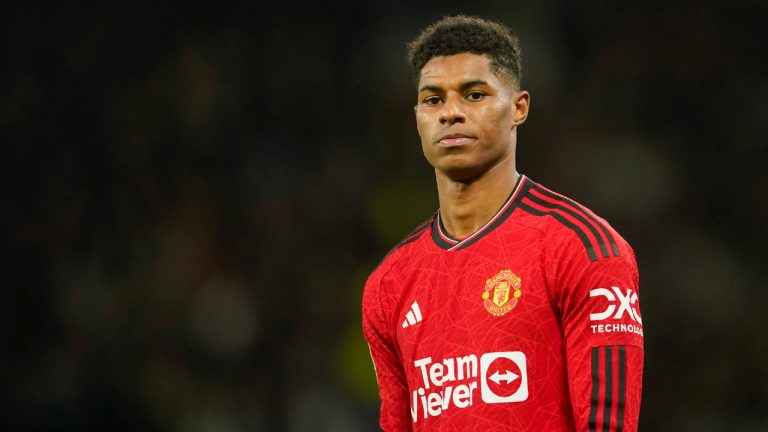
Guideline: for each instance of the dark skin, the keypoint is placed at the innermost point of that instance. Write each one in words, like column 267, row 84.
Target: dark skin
column 467, row 117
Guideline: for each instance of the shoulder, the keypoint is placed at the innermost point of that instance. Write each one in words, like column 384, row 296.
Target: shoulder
column 381, row 285
column 572, row 227
column 398, row 254
column 403, row 248
column 582, row 250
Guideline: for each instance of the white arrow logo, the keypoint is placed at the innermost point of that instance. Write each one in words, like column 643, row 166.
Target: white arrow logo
column 518, row 358
column 508, row 376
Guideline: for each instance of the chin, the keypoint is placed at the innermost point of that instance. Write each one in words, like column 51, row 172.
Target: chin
column 461, row 172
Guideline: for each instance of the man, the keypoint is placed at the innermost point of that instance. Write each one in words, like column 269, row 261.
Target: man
column 513, row 308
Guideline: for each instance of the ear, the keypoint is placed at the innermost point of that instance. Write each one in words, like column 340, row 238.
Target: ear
column 521, row 101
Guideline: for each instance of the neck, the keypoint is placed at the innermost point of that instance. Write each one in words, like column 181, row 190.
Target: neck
column 466, row 206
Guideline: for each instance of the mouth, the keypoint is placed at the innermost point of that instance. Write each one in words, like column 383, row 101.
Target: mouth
column 455, row 140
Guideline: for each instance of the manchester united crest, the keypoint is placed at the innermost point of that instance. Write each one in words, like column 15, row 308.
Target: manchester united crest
column 502, row 292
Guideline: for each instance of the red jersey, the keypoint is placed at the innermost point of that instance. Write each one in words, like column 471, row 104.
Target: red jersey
column 532, row 323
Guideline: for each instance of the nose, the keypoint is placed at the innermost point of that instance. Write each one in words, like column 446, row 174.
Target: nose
column 452, row 112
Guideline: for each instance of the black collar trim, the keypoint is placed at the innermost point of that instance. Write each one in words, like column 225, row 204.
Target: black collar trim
column 444, row 241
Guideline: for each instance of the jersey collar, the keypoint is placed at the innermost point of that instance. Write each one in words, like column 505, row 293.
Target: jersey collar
column 444, row 241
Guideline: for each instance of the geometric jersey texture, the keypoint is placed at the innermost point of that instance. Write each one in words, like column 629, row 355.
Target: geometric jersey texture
column 532, row 323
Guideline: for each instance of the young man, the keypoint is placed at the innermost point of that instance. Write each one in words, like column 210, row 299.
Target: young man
column 513, row 308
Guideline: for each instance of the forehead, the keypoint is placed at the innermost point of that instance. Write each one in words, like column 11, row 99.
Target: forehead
column 457, row 69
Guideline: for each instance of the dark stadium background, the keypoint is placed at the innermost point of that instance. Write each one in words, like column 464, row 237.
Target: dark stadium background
column 194, row 196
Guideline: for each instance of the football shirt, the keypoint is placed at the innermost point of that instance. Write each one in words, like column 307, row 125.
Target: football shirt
column 532, row 323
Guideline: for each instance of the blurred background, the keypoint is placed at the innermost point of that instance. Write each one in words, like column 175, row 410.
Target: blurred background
column 194, row 196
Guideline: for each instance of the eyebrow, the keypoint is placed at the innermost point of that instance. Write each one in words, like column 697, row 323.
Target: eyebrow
column 463, row 87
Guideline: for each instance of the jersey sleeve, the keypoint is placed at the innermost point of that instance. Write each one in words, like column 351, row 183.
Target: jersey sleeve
column 392, row 382
column 602, row 326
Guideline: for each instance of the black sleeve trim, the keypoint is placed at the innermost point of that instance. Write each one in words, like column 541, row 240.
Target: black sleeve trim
column 604, row 360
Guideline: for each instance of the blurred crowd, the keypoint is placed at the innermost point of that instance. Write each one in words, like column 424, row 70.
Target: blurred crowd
column 194, row 198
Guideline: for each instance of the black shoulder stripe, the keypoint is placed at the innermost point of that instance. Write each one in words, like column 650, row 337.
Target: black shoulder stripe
column 576, row 216
column 415, row 234
column 579, row 232
column 578, row 207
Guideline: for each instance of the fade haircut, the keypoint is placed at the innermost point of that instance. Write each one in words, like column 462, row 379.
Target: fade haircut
column 466, row 34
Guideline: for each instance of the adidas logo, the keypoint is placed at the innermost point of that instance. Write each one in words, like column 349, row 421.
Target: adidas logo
column 413, row 316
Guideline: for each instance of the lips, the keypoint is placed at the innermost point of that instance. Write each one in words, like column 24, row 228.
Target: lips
column 455, row 139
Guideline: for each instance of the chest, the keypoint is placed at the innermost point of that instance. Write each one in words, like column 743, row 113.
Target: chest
column 482, row 299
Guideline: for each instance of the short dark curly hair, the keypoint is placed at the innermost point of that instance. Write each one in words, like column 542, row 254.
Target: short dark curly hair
column 468, row 34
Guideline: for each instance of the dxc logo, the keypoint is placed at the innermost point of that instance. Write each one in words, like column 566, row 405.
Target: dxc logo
column 626, row 303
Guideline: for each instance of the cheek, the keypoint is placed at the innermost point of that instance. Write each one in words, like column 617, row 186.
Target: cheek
column 498, row 120
column 422, row 127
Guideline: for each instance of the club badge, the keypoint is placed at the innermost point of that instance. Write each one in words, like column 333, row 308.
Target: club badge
column 502, row 292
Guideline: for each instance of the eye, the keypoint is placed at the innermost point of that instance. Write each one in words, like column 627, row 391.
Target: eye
column 475, row 96
column 432, row 100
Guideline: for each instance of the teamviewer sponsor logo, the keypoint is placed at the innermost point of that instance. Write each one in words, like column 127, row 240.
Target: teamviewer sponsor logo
column 452, row 382
column 620, row 307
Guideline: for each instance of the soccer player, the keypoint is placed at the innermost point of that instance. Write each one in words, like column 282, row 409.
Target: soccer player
column 513, row 308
